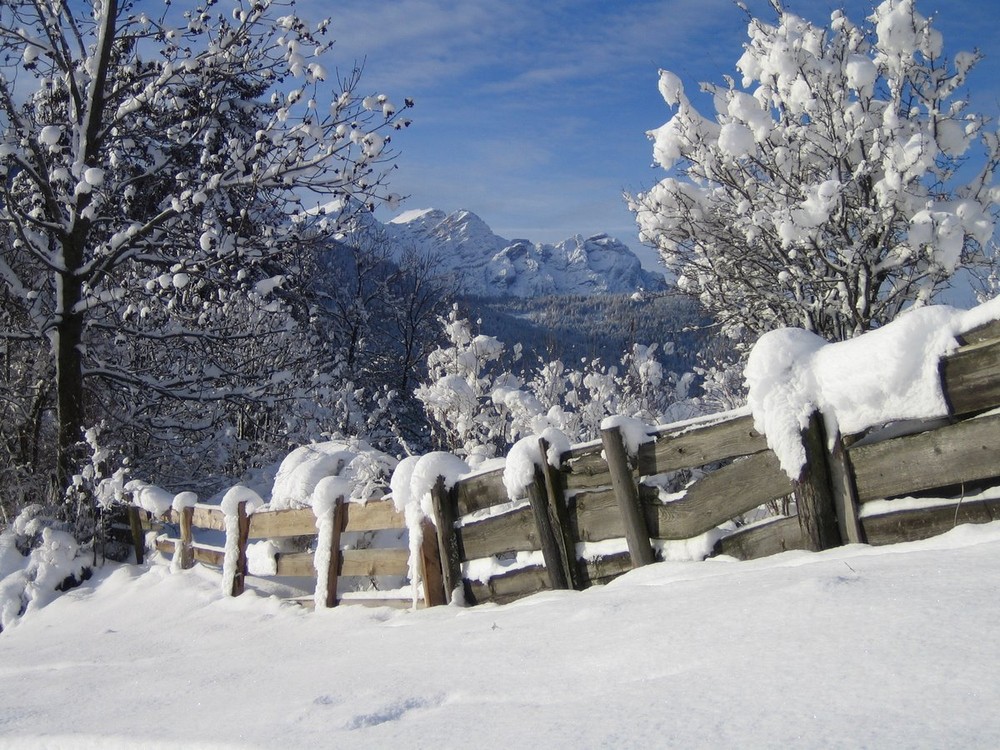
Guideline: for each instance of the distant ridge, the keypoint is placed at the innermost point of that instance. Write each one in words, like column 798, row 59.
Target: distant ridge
column 487, row 265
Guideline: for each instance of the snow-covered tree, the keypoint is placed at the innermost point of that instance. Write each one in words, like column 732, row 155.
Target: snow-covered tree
column 841, row 178
column 156, row 179
column 479, row 407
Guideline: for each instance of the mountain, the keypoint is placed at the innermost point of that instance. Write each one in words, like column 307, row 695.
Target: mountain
column 488, row 265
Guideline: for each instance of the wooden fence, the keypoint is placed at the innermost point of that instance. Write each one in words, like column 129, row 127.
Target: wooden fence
column 370, row 563
column 855, row 493
column 850, row 494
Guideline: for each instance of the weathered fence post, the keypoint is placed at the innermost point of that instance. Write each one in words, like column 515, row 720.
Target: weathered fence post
column 185, row 550
column 845, row 496
column 554, row 567
column 435, row 592
column 559, row 519
column 332, row 572
column 627, row 494
column 814, row 499
column 240, row 574
column 138, row 539
column 443, row 502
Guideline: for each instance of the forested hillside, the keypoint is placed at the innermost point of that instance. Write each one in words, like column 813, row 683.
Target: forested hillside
column 576, row 327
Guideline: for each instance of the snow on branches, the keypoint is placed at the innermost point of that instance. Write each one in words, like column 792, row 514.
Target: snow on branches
column 159, row 183
column 834, row 186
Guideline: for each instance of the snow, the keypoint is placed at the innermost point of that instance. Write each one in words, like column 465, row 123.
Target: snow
column 526, row 454
column 886, row 375
column 152, row 499
column 634, row 432
column 784, row 651
column 261, row 558
column 302, row 470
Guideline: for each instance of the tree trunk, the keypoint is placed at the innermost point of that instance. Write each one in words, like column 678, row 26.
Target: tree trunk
column 69, row 378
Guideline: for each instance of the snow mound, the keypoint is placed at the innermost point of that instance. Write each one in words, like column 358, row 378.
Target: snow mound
column 356, row 462
column 886, row 375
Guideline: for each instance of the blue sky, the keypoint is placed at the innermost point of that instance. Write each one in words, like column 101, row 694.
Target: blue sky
column 533, row 113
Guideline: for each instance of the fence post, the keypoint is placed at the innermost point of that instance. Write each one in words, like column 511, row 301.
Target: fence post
column 443, row 502
column 138, row 539
column 431, row 573
column 239, row 576
column 559, row 519
column 814, row 496
column 338, row 515
column 185, row 552
column 538, row 498
column 627, row 494
column 845, row 495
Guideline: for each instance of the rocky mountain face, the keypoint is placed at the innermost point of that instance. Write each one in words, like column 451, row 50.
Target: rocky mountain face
column 487, row 265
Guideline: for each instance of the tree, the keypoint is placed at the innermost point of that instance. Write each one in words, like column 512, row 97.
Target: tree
column 156, row 176
column 842, row 182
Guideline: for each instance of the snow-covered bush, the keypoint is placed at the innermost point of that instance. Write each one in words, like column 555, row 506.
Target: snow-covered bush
column 38, row 559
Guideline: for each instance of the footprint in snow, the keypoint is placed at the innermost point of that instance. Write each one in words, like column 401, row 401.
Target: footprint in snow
column 392, row 712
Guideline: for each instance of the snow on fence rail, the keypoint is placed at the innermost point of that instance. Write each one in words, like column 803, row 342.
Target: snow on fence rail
column 605, row 511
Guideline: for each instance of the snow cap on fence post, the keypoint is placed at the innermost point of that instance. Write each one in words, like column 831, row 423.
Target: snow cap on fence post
column 237, row 503
column 328, row 497
column 412, row 486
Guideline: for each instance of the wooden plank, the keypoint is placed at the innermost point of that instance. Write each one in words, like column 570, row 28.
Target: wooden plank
column 374, row 515
column 970, row 378
column 479, row 492
column 375, row 562
column 296, row 564
column 166, row 546
column 594, row 517
column 912, row 525
column 371, row 516
column 986, row 332
column 737, row 488
column 559, row 518
column 558, row 575
column 627, row 495
column 586, row 469
column 510, row 532
column 963, row 452
column 697, row 446
column 762, row 540
column 605, row 568
column 712, row 500
column 208, row 555
column 814, row 492
column 243, row 530
column 431, row 575
column 509, row 586
column 845, row 496
column 278, row 524
column 207, row 517
column 444, row 504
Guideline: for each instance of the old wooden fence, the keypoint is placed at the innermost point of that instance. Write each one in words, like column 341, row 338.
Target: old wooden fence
column 867, row 489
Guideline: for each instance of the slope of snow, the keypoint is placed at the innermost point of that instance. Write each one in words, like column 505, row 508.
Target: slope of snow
column 856, row 647
column 488, row 265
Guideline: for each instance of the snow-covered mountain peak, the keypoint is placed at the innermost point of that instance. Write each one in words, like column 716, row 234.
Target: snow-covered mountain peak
column 487, row 264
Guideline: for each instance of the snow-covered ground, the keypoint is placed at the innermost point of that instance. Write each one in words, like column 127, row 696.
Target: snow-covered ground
column 856, row 647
